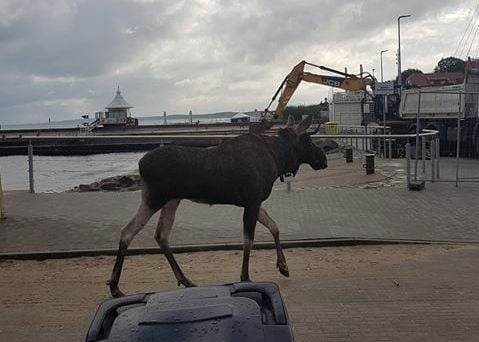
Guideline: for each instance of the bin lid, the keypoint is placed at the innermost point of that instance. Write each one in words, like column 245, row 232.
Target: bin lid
column 215, row 313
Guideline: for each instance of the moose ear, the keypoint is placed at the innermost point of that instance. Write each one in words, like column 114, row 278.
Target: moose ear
column 290, row 121
column 304, row 125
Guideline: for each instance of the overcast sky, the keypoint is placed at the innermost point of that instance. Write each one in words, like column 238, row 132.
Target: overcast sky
column 63, row 58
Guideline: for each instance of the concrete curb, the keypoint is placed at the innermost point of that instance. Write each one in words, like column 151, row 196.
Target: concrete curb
column 328, row 242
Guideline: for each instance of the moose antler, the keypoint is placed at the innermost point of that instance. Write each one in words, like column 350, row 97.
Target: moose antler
column 315, row 131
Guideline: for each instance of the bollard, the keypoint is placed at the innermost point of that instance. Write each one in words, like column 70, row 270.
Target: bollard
column 369, row 163
column 287, row 178
column 2, row 210
column 348, row 154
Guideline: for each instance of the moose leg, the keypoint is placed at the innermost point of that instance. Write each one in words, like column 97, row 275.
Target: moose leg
column 269, row 223
column 165, row 223
column 127, row 234
column 250, row 216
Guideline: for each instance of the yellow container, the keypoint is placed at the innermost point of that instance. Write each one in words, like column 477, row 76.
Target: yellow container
column 331, row 128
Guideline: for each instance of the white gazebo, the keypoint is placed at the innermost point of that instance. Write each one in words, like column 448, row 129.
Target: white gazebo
column 118, row 109
column 240, row 117
column 117, row 112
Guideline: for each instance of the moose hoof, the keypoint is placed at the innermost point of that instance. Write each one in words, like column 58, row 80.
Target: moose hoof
column 115, row 292
column 186, row 283
column 283, row 268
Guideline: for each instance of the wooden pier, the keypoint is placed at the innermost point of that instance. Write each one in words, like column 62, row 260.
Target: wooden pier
column 143, row 138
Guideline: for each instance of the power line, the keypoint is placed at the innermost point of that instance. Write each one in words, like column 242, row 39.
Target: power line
column 472, row 41
column 477, row 50
column 470, row 16
column 469, row 32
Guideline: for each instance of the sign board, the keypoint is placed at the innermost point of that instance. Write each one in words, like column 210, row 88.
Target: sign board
column 384, row 88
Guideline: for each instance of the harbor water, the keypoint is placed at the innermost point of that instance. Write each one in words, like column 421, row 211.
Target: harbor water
column 63, row 173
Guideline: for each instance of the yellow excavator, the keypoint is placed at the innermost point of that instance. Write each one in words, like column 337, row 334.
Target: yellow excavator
column 293, row 79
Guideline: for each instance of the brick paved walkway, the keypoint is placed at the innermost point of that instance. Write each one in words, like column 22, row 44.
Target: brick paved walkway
column 66, row 221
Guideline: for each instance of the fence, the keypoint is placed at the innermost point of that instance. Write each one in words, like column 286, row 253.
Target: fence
column 374, row 141
column 461, row 140
column 2, row 210
column 430, row 147
column 384, row 147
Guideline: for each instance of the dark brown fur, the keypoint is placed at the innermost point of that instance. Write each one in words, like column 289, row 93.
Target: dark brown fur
column 241, row 171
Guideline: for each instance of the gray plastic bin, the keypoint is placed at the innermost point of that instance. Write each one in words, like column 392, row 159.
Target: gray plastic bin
column 235, row 312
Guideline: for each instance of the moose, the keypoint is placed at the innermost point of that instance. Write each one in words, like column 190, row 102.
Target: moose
column 239, row 171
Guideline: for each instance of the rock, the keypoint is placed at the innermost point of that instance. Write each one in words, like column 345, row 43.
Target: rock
column 327, row 145
column 125, row 181
column 110, row 186
column 88, row 187
column 116, row 183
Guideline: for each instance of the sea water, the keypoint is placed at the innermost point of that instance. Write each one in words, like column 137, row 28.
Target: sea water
column 63, row 173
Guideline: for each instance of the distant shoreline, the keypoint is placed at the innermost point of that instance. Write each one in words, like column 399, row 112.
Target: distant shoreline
column 143, row 121
column 220, row 117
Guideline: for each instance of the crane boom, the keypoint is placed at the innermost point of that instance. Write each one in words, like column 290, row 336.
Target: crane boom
column 294, row 78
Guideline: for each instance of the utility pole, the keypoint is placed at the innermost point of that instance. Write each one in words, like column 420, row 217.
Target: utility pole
column 381, row 54
column 399, row 49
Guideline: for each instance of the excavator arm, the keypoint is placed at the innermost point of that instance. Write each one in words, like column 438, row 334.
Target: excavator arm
column 297, row 75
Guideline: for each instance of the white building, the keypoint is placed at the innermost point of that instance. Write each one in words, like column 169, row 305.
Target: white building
column 117, row 112
column 240, row 117
column 345, row 108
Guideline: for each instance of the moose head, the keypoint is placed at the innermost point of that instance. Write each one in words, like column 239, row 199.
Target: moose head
column 300, row 146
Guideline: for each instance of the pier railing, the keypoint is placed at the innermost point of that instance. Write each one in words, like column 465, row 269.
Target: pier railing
column 384, row 146
column 2, row 209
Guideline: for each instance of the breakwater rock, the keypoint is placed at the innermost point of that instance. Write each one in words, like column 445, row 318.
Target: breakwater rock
column 116, row 183
column 133, row 182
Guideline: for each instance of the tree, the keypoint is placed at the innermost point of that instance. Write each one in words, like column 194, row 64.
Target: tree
column 408, row 72
column 298, row 111
column 450, row 64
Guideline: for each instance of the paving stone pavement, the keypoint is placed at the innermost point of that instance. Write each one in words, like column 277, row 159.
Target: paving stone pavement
column 69, row 221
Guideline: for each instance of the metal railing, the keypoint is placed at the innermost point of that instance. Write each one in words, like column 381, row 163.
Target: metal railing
column 2, row 209
column 461, row 143
column 380, row 146
column 367, row 143
column 427, row 138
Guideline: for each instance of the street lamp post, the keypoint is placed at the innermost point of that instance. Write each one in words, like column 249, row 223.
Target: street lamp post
column 385, row 105
column 399, row 49
column 381, row 53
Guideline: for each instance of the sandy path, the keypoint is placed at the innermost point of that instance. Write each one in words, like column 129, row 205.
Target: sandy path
column 55, row 299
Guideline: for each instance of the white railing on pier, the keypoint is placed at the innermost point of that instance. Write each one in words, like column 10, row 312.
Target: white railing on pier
column 365, row 143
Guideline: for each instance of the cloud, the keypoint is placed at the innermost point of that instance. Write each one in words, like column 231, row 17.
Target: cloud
column 66, row 57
